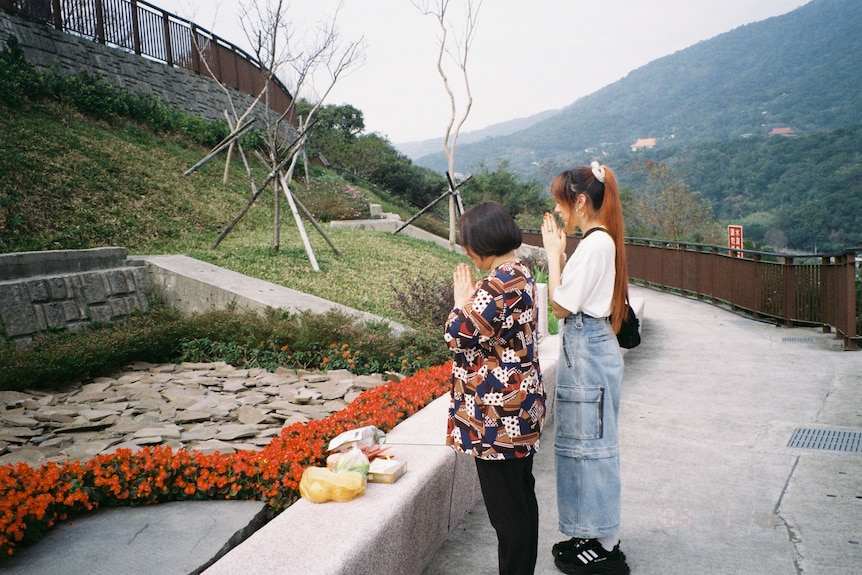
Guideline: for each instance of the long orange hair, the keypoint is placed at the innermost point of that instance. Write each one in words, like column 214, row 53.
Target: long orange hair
column 603, row 201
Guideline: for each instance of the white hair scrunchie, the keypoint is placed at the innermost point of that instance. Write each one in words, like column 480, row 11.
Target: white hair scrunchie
column 598, row 171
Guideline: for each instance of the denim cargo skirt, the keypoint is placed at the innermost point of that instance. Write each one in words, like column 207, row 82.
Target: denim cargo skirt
column 586, row 442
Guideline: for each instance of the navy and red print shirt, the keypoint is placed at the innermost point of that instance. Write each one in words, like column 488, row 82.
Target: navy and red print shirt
column 497, row 404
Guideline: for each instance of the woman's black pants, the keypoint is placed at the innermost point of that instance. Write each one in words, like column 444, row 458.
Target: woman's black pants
column 508, row 488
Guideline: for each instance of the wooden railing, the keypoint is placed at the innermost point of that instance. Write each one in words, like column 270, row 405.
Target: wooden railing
column 790, row 289
column 150, row 32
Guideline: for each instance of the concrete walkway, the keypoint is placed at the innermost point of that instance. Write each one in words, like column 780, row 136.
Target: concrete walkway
column 710, row 487
column 711, row 401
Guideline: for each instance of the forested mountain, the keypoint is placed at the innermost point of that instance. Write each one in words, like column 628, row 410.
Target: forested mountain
column 802, row 193
column 711, row 109
column 802, row 70
column 425, row 147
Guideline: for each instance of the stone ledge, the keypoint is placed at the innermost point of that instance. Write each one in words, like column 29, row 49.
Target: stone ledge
column 392, row 529
column 67, row 289
column 194, row 286
column 27, row 265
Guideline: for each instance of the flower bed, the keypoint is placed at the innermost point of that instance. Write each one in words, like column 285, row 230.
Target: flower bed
column 32, row 500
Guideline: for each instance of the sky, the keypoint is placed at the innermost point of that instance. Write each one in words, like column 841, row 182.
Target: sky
column 527, row 56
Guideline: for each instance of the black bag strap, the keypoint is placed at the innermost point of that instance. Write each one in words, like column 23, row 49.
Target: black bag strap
column 591, row 230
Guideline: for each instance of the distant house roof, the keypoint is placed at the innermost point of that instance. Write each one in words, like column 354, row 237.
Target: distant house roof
column 643, row 143
column 786, row 132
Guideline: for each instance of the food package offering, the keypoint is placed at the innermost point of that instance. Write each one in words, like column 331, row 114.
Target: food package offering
column 386, row 470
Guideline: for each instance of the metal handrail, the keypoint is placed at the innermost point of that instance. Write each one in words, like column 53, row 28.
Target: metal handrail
column 146, row 30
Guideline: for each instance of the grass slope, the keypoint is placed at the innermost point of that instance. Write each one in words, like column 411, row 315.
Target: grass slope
column 69, row 182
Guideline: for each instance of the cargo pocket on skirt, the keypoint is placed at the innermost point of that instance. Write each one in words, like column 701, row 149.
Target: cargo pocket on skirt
column 579, row 412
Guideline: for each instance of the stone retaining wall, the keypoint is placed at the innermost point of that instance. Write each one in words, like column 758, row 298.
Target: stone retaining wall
column 67, row 289
column 194, row 94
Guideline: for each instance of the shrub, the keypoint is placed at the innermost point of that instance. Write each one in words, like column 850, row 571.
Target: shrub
column 55, row 359
column 17, row 77
column 246, row 339
column 92, row 95
column 328, row 198
column 424, row 302
column 307, row 340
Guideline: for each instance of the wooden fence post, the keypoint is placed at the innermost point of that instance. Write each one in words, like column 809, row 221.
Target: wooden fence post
column 58, row 15
column 136, row 28
column 196, row 49
column 789, row 277
column 848, row 261
column 169, row 50
column 100, row 22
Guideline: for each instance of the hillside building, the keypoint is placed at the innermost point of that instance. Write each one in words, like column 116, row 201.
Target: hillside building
column 643, row 144
column 785, row 132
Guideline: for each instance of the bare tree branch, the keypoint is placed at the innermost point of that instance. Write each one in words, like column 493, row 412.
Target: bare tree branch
column 462, row 43
column 279, row 47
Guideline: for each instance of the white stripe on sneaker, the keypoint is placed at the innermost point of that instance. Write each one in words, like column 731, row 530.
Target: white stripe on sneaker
column 587, row 556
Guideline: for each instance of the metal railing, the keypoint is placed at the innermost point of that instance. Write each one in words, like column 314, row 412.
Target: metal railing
column 813, row 289
column 148, row 31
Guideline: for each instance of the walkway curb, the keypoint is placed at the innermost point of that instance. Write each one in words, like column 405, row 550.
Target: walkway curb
column 392, row 529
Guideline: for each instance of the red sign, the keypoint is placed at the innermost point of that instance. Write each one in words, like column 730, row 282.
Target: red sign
column 734, row 239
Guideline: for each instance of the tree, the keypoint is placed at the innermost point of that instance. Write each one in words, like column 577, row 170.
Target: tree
column 335, row 128
column 775, row 238
column 335, row 132
column 526, row 201
column 670, row 210
column 302, row 60
column 458, row 48
column 277, row 44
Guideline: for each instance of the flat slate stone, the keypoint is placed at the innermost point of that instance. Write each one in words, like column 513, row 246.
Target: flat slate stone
column 202, row 406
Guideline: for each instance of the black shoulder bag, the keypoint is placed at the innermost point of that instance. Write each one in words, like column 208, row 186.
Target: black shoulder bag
column 630, row 334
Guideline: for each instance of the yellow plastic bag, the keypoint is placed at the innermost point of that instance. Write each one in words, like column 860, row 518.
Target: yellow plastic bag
column 319, row 484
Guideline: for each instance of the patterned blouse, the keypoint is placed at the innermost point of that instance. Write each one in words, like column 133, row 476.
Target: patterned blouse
column 497, row 403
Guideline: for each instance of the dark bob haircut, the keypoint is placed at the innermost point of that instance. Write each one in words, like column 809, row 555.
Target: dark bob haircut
column 488, row 229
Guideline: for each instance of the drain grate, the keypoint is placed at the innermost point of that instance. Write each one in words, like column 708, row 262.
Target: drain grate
column 797, row 339
column 827, row 439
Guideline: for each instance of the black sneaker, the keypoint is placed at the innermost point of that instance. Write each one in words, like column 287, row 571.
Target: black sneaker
column 564, row 546
column 588, row 557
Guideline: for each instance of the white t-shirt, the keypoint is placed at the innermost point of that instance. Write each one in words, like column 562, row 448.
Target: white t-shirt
column 587, row 282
